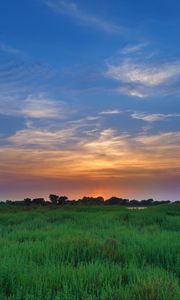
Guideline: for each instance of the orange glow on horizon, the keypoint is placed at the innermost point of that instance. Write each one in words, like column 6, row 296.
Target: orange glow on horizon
column 108, row 165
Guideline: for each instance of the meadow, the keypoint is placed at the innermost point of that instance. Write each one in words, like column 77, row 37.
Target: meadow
column 89, row 253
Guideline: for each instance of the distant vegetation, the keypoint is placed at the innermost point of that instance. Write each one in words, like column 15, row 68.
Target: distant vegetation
column 86, row 252
column 63, row 200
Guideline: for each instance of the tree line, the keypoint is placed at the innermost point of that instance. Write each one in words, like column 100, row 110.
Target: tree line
column 56, row 200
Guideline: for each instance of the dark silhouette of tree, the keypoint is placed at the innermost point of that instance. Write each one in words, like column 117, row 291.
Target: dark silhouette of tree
column 116, row 201
column 134, row 202
column 9, row 202
column 91, row 200
column 147, row 202
column 99, row 200
column 62, row 200
column 54, row 198
column 27, row 201
column 39, row 201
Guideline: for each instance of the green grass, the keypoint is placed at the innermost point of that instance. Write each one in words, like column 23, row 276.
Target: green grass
column 89, row 253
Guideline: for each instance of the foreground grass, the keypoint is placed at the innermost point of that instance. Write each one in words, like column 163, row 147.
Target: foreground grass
column 89, row 253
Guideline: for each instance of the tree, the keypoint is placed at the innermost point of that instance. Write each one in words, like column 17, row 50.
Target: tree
column 27, row 201
column 99, row 200
column 54, row 198
column 134, row 202
column 91, row 200
column 114, row 201
column 40, row 201
column 62, row 200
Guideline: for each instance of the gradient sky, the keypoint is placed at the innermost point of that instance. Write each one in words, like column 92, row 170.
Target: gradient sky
column 90, row 98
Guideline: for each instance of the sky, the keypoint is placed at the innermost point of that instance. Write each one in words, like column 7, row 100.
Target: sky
column 90, row 98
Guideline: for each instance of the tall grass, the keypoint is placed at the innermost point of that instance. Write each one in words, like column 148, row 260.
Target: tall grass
column 89, row 253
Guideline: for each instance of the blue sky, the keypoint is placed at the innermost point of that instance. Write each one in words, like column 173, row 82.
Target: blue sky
column 89, row 89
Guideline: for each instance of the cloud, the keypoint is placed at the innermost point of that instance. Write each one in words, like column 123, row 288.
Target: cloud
column 91, row 132
column 8, row 49
column 107, row 154
column 71, row 9
column 22, row 77
column 42, row 107
column 110, row 112
column 142, row 76
column 38, row 106
column 162, row 141
column 132, row 91
column 133, row 48
column 153, row 117
column 147, row 75
column 42, row 138
column 51, row 135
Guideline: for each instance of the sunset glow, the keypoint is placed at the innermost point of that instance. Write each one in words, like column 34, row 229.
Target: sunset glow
column 89, row 101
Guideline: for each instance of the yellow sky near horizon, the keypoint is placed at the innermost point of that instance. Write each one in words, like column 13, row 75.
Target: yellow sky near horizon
column 100, row 160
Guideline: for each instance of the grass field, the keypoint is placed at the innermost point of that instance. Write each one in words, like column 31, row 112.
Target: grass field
column 89, row 253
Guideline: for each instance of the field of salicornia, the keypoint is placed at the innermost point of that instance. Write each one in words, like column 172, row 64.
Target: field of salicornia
column 89, row 253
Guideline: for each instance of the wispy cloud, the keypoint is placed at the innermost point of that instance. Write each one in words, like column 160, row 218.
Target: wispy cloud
column 144, row 74
column 105, row 154
column 38, row 106
column 42, row 107
column 72, row 9
column 110, row 112
column 23, row 76
column 130, row 49
column 134, row 91
column 153, row 117
column 162, row 141
column 42, row 138
column 9, row 49
column 141, row 77
column 43, row 132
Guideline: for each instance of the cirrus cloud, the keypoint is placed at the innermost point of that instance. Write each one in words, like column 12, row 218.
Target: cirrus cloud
column 153, row 117
column 72, row 9
column 140, row 74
